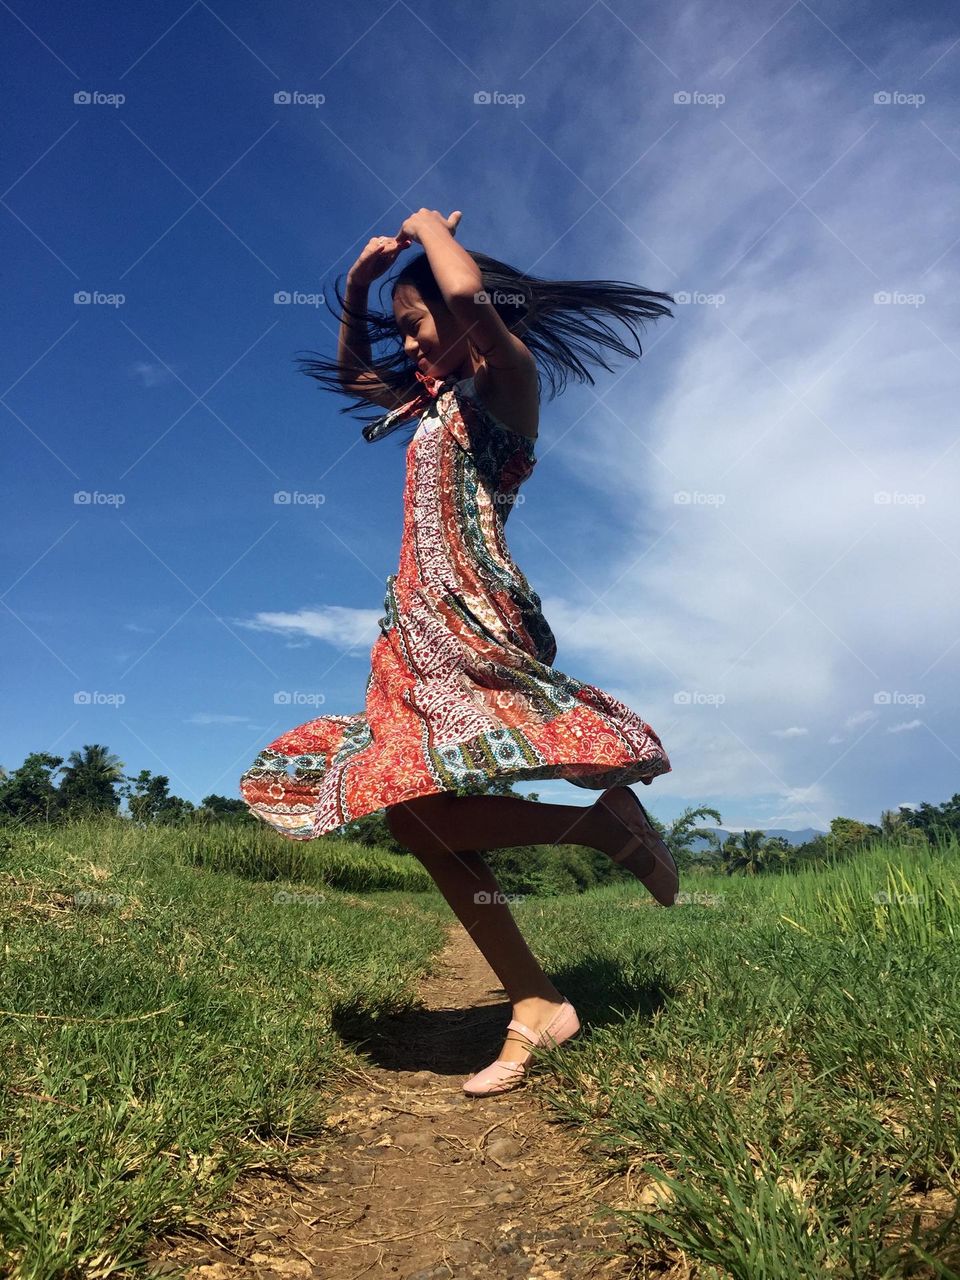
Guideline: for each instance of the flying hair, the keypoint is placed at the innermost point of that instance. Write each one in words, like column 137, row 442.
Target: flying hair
column 566, row 324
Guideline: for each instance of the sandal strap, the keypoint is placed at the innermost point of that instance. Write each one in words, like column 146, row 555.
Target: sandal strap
column 516, row 1025
column 535, row 1036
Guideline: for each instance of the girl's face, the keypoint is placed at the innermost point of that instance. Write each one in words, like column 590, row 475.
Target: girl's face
column 433, row 339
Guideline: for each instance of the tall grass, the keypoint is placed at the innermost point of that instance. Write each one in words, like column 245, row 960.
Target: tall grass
column 255, row 852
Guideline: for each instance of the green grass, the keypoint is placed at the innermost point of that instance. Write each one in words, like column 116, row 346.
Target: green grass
column 775, row 1062
column 259, row 853
column 163, row 1021
column 784, row 1085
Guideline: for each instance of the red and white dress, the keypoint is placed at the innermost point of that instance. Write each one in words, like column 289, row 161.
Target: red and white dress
column 461, row 686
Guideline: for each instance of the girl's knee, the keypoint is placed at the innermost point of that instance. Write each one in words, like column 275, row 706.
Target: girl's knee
column 411, row 823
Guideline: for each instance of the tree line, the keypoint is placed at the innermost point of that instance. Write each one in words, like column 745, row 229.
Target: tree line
column 89, row 783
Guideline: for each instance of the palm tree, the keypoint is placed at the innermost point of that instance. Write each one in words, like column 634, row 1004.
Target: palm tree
column 89, row 781
column 755, row 851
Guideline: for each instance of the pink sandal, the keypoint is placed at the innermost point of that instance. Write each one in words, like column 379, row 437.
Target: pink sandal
column 501, row 1076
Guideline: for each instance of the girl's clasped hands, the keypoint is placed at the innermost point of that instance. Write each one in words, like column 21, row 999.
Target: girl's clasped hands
column 381, row 252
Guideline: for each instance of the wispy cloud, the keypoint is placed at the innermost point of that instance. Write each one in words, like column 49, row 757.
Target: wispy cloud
column 906, row 727
column 150, row 374
column 336, row 624
column 789, row 438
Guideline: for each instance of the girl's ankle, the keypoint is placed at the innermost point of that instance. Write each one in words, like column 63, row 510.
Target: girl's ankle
column 535, row 1003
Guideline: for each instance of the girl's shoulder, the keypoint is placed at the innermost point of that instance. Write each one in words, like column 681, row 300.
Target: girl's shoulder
column 510, row 398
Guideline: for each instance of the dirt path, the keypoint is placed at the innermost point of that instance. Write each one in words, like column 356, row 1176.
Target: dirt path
column 425, row 1182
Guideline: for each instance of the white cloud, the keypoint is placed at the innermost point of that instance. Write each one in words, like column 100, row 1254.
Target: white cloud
column 789, row 589
column 337, row 625
column 150, row 374
column 859, row 717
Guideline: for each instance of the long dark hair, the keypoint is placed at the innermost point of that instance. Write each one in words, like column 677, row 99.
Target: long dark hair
column 563, row 322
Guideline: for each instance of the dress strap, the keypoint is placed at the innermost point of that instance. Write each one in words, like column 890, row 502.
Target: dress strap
column 412, row 408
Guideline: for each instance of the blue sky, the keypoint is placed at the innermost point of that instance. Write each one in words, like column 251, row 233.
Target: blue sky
column 750, row 535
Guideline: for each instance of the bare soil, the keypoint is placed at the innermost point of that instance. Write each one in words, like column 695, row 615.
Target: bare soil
column 421, row 1182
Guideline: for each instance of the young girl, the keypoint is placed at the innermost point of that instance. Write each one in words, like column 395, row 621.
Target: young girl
column 462, row 688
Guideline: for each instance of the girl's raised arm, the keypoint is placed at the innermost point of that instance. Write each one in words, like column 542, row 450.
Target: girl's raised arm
column 511, row 371
column 353, row 345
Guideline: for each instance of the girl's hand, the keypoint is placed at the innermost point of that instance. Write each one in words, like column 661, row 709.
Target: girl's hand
column 376, row 258
column 411, row 227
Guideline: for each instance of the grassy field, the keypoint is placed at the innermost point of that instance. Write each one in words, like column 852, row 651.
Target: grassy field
column 775, row 1061
column 784, row 1085
column 161, row 1019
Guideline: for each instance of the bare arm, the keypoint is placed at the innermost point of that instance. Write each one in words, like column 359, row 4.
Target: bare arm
column 456, row 273
column 459, row 280
column 353, row 347
column 353, row 344
column 507, row 382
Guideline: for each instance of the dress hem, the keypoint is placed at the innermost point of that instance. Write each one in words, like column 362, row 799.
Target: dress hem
column 596, row 778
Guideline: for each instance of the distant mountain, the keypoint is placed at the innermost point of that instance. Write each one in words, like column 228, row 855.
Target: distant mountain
column 792, row 837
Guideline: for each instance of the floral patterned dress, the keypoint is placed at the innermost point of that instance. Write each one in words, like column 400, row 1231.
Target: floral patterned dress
column 461, row 685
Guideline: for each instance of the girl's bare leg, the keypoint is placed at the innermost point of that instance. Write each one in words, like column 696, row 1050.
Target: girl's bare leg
column 448, row 823
column 445, row 832
column 478, row 902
